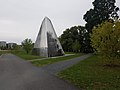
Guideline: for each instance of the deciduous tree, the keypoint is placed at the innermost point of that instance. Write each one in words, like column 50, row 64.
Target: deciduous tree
column 73, row 39
column 105, row 40
column 27, row 45
column 102, row 11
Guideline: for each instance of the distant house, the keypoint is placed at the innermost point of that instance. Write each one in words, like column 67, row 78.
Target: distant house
column 11, row 45
column 3, row 45
column 7, row 46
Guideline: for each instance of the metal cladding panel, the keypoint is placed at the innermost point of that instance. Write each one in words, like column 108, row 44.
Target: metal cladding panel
column 47, row 43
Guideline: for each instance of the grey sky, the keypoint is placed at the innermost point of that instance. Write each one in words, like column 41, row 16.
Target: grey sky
column 20, row 19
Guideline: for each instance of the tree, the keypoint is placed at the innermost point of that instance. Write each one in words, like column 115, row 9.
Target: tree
column 16, row 47
column 102, row 11
column 86, row 47
column 76, row 46
column 66, row 40
column 105, row 40
column 73, row 36
column 27, row 45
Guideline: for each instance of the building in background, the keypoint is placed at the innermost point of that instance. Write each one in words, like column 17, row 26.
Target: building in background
column 11, row 46
column 7, row 46
column 3, row 45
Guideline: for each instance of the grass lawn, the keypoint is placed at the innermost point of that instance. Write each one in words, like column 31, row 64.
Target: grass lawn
column 91, row 74
column 70, row 53
column 21, row 54
column 24, row 55
column 27, row 56
column 53, row 60
column 4, row 52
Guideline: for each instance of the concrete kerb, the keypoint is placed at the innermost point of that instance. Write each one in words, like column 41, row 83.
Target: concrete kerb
column 50, row 57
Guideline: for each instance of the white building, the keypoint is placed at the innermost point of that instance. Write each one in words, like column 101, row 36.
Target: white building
column 3, row 44
column 11, row 45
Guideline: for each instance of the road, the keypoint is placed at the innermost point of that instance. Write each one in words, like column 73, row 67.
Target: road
column 18, row 74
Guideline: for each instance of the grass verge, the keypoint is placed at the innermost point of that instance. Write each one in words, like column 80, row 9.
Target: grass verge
column 24, row 55
column 21, row 54
column 4, row 52
column 53, row 60
column 91, row 74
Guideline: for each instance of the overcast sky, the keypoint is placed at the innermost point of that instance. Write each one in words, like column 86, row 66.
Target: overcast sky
column 20, row 19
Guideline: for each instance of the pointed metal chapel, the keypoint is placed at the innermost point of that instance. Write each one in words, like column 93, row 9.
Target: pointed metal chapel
column 47, row 43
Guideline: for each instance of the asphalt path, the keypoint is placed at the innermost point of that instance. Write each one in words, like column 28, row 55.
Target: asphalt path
column 59, row 66
column 18, row 74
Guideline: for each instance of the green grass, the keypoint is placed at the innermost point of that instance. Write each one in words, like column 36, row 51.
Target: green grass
column 24, row 55
column 70, row 53
column 21, row 54
column 53, row 60
column 91, row 74
column 4, row 52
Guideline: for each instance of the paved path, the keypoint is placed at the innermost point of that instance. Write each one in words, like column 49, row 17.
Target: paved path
column 17, row 74
column 59, row 66
column 50, row 57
